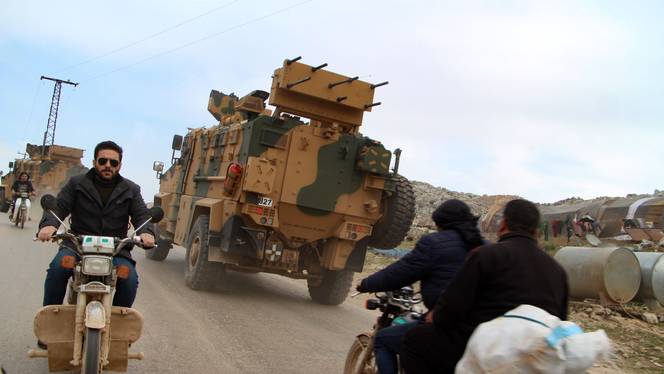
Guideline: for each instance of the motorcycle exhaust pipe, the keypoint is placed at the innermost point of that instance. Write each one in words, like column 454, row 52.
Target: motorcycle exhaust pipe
column 38, row 353
column 135, row 355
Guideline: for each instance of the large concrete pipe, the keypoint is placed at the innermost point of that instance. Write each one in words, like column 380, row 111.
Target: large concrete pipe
column 611, row 274
column 652, row 279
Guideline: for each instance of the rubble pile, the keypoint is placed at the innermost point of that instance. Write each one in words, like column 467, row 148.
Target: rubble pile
column 428, row 198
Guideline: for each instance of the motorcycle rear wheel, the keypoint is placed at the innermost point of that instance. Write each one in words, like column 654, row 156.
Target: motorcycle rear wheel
column 356, row 354
column 91, row 352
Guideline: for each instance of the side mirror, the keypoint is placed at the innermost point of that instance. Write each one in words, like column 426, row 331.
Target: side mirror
column 156, row 213
column 11, row 164
column 48, row 202
column 158, row 166
column 177, row 142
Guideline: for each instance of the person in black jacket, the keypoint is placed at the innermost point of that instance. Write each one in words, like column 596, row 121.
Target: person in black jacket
column 434, row 262
column 100, row 202
column 23, row 184
column 495, row 279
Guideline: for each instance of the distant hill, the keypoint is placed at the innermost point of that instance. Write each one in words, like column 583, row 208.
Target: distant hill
column 428, row 198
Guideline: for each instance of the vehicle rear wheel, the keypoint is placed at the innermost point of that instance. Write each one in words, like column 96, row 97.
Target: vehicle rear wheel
column 332, row 289
column 91, row 352
column 397, row 218
column 360, row 358
column 201, row 274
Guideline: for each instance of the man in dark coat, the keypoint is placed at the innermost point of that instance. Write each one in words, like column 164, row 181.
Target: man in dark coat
column 100, row 202
column 495, row 279
column 23, row 184
column 434, row 262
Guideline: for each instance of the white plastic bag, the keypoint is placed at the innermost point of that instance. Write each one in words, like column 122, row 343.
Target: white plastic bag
column 527, row 339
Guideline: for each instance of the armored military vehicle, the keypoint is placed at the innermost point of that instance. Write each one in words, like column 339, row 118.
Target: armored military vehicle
column 49, row 168
column 271, row 192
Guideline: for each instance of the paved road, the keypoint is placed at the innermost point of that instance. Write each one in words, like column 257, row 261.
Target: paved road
column 259, row 323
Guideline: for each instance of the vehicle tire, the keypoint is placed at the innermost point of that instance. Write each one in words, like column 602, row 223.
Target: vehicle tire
column 91, row 352
column 199, row 273
column 332, row 289
column 356, row 353
column 17, row 216
column 397, row 218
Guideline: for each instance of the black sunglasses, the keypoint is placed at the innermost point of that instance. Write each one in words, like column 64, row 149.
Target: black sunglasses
column 103, row 160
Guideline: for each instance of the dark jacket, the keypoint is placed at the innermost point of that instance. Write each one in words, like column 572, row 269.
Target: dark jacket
column 19, row 186
column 497, row 278
column 435, row 260
column 80, row 199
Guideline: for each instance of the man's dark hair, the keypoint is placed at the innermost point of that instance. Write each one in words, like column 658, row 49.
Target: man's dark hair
column 521, row 215
column 24, row 173
column 108, row 144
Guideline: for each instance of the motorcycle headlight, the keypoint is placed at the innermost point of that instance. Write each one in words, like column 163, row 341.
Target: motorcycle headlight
column 97, row 265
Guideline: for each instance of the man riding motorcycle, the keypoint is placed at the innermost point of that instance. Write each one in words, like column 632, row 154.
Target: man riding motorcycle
column 22, row 185
column 434, row 262
column 100, row 202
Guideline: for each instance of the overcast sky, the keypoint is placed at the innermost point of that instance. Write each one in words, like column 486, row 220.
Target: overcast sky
column 545, row 100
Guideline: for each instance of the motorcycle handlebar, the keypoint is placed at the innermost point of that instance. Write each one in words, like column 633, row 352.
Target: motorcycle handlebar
column 118, row 243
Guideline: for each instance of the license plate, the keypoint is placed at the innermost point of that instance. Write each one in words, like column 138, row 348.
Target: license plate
column 264, row 201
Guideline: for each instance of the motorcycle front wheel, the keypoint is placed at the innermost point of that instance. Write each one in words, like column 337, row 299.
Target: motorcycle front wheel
column 360, row 359
column 23, row 218
column 91, row 352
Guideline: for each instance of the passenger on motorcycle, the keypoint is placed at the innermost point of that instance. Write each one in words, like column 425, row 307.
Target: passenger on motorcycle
column 23, row 184
column 434, row 262
column 100, row 202
column 494, row 280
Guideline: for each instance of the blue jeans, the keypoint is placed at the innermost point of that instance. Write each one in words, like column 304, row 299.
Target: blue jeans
column 387, row 345
column 55, row 285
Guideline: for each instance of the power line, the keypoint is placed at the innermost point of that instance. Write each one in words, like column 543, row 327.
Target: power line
column 170, row 28
column 282, row 10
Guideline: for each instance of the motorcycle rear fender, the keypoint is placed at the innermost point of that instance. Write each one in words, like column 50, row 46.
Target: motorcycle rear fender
column 95, row 315
column 363, row 335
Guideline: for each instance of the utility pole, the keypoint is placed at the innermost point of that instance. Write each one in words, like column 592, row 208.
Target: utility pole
column 49, row 134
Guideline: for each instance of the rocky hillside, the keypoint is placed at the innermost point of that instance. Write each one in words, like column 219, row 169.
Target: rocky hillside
column 428, row 198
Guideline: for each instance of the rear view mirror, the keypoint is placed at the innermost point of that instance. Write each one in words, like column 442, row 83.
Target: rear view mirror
column 177, row 142
column 48, row 202
column 11, row 164
column 156, row 213
column 158, row 166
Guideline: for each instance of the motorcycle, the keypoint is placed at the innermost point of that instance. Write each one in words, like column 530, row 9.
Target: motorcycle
column 22, row 209
column 90, row 335
column 397, row 308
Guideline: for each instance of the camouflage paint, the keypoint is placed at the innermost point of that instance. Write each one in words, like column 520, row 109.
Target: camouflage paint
column 254, row 143
column 337, row 175
column 308, row 174
column 48, row 172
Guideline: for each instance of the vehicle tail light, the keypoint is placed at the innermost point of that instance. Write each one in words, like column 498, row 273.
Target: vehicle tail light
column 233, row 175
